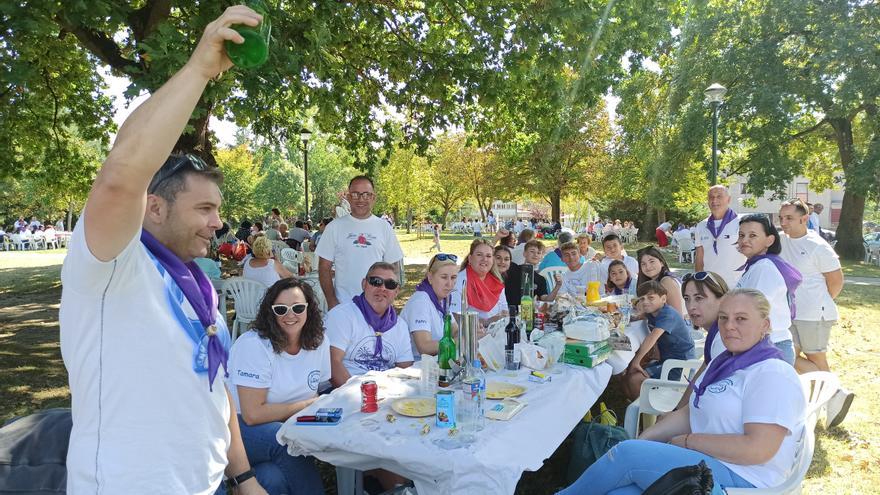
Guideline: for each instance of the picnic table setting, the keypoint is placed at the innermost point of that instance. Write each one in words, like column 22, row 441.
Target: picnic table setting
column 401, row 421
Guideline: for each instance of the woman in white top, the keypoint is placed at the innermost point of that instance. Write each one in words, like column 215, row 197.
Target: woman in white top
column 653, row 266
column 482, row 282
column 767, row 272
column 274, row 372
column 745, row 417
column 426, row 307
column 261, row 267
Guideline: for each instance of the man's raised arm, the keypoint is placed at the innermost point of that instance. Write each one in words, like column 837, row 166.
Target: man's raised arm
column 118, row 197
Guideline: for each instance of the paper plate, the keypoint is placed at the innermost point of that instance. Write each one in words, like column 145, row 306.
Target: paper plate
column 415, row 407
column 503, row 390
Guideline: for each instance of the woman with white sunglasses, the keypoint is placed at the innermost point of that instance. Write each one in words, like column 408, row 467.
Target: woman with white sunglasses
column 274, row 372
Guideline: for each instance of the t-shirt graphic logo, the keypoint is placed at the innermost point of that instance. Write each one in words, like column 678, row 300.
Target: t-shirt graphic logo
column 364, row 354
column 720, row 387
column 314, row 379
column 362, row 240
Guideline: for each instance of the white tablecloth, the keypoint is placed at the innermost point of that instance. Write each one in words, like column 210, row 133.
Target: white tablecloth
column 637, row 331
column 494, row 464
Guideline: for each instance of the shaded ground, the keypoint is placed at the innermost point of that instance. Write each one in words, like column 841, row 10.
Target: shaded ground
column 32, row 375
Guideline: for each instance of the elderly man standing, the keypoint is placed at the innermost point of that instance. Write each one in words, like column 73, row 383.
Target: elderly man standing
column 353, row 243
column 140, row 332
column 716, row 239
column 816, row 313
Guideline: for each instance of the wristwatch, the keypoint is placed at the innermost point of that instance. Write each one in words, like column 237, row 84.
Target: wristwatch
column 241, row 478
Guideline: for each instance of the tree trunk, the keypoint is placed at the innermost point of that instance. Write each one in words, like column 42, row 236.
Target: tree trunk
column 443, row 217
column 555, row 208
column 647, row 230
column 198, row 141
column 408, row 220
column 849, row 231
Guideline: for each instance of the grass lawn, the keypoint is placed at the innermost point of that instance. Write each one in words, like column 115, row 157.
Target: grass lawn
column 32, row 375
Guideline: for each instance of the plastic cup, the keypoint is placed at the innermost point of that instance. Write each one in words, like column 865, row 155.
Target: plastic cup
column 255, row 50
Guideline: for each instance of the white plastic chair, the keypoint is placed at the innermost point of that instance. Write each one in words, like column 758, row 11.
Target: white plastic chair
column 659, row 396
column 819, row 387
column 315, row 284
column 18, row 242
column 291, row 259
column 549, row 274
column 278, row 247
column 49, row 238
column 247, row 295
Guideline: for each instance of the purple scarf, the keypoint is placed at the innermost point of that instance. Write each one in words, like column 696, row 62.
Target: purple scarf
column 728, row 217
column 710, row 338
column 726, row 364
column 200, row 293
column 379, row 324
column 425, row 286
column 790, row 274
column 618, row 291
column 558, row 252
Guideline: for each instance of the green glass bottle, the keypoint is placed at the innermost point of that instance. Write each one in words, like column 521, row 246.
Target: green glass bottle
column 527, row 301
column 445, row 352
column 255, row 50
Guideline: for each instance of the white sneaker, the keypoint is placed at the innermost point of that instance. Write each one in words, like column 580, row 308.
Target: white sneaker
column 838, row 406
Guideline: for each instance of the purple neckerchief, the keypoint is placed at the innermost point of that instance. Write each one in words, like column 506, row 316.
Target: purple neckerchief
column 199, row 291
column 790, row 274
column 728, row 217
column 427, row 288
column 726, row 364
column 379, row 324
column 558, row 252
column 710, row 338
column 618, row 291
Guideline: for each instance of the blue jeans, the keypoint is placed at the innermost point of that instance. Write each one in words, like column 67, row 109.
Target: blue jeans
column 278, row 472
column 630, row 467
column 787, row 350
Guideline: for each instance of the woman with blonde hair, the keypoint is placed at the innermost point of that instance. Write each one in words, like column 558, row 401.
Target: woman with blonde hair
column 483, row 284
column 261, row 267
column 428, row 305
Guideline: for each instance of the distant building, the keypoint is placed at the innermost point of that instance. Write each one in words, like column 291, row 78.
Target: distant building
column 510, row 211
column 799, row 187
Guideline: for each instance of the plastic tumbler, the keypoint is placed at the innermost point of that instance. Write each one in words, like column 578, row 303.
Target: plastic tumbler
column 255, row 50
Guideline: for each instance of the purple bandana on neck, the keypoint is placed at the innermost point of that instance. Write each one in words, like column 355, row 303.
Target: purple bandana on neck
column 726, row 364
column 790, row 274
column 728, row 217
column 710, row 338
column 379, row 324
column 200, row 293
column 425, row 286
column 618, row 291
column 558, row 252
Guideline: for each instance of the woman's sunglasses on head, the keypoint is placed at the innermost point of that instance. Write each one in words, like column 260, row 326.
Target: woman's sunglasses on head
column 389, row 284
column 699, row 277
column 282, row 309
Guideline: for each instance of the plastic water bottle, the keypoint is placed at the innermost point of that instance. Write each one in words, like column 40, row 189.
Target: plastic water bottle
column 472, row 414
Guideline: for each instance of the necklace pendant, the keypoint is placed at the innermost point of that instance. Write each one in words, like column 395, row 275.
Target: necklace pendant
column 211, row 330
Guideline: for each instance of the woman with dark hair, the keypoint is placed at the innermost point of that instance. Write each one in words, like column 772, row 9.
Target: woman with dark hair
column 244, row 230
column 619, row 280
column 510, row 273
column 653, row 266
column 767, row 272
column 274, row 372
column 483, row 284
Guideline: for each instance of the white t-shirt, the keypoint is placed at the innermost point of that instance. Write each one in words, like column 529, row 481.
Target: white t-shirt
column 353, row 245
column 517, row 254
column 348, row 331
column 728, row 258
column 665, row 226
column 766, row 392
column 143, row 421
column 816, row 223
column 289, row 378
column 477, row 226
column 455, row 302
column 420, row 314
column 765, row 277
column 812, row 256
column 267, row 275
column 631, row 264
column 574, row 283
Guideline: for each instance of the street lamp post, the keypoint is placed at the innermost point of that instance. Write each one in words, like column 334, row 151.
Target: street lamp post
column 715, row 96
column 305, row 135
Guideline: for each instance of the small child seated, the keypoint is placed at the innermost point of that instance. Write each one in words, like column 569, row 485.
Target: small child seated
column 667, row 330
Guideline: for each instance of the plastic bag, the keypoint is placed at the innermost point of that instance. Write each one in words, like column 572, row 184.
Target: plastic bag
column 533, row 356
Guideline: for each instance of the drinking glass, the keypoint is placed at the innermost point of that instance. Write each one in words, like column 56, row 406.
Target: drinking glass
column 255, row 50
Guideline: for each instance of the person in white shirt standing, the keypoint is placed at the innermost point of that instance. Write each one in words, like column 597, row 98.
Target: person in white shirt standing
column 814, row 218
column 716, row 239
column 822, row 276
column 140, row 332
column 351, row 244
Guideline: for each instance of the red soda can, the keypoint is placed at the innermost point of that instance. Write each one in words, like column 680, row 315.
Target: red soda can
column 369, row 397
column 539, row 321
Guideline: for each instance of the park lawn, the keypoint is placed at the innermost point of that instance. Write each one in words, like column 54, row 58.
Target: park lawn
column 32, row 375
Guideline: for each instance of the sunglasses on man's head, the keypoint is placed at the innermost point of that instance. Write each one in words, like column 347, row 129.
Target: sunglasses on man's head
column 172, row 167
column 389, row 284
column 282, row 309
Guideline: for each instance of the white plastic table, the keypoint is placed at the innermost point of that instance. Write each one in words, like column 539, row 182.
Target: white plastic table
column 637, row 331
column 493, row 464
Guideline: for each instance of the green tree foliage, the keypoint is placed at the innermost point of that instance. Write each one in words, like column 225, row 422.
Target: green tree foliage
column 330, row 169
column 241, row 177
column 803, row 94
column 402, row 183
column 281, row 184
column 446, row 186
